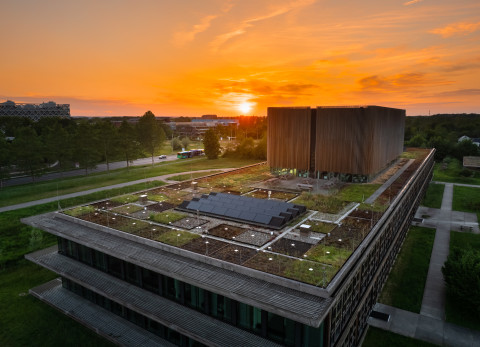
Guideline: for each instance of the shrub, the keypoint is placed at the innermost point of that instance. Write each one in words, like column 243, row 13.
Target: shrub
column 462, row 276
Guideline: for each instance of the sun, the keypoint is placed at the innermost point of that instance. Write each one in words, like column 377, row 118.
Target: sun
column 245, row 107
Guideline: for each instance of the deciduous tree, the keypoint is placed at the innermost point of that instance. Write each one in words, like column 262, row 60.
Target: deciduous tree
column 151, row 134
column 211, row 144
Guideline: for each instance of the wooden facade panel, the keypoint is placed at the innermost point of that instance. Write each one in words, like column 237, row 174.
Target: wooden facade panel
column 358, row 140
column 288, row 140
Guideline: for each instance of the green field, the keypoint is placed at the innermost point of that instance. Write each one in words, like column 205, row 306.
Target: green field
column 451, row 172
column 35, row 191
column 466, row 199
column 380, row 338
column 406, row 282
column 434, row 195
column 454, row 311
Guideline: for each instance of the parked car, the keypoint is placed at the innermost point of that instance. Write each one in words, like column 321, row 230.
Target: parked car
column 163, row 156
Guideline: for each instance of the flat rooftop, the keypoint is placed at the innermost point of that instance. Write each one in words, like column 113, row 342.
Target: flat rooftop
column 305, row 254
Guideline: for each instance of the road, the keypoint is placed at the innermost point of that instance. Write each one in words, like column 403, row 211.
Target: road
column 81, row 172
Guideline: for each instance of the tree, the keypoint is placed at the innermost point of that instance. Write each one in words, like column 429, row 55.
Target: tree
column 151, row 134
column 211, row 144
column 185, row 142
column 86, row 150
column 108, row 135
column 465, row 148
column 28, row 150
column 127, row 142
column 462, row 276
column 58, row 145
column 176, row 144
column 4, row 160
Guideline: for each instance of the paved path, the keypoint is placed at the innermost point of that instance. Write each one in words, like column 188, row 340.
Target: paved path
column 434, row 295
column 425, row 328
column 388, row 183
column 430, row 324
column 458, row 184
column 85, row 192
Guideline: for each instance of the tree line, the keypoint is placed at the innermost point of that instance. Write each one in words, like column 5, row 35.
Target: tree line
column 32, row 147
column 442, row 132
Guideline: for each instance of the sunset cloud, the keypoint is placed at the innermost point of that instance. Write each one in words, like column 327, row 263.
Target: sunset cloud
column 243, row 26
column 457, row 29
column 412, row 2
column 182, row 38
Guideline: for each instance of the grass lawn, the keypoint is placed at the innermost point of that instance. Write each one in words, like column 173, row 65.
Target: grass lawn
column 406, row 282
column 26, row 321
column 177, row 237
column 381, row 338
column 35, row 191
column 357, row 192
column 451, row 173
column 454, row 311
column 167, row 217
column 434, row 195
column 466, row 199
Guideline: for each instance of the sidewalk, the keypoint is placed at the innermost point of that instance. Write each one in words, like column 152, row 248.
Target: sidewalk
column 430, row 324
column 90, row 191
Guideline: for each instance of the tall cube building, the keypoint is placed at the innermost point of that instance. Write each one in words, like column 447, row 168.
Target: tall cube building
column 351, row 143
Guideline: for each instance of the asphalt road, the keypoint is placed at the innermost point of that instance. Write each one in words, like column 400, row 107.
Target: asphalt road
column 81, row 172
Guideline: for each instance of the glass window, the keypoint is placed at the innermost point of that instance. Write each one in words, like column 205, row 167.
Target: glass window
column 85, row 254
column 115, row 267
column 221, row 307
column 249, row 317
column 281, row 329
column 172, row 288
column 99, row 260
column 312, row 337
column 150, row 280
column 195, row 297
column 132, row 274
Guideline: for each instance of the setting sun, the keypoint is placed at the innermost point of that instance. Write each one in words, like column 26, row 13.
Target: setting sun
column 245, row 107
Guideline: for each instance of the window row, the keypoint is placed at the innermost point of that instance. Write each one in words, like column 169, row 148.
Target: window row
column 266, row 324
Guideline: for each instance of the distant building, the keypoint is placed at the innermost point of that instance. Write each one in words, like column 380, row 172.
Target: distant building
column 351, row 143
column 198, row 126
column 475, row 141
column 34, row 111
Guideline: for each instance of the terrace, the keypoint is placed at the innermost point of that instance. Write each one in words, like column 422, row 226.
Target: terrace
column 310, row 249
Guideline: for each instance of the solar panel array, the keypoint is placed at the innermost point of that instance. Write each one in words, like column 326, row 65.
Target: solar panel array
column 269, row 213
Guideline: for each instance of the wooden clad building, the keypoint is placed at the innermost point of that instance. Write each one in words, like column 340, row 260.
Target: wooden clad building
column 352, row 143
column 288, row 139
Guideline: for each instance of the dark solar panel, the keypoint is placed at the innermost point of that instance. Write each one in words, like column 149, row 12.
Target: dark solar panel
column 269, row 213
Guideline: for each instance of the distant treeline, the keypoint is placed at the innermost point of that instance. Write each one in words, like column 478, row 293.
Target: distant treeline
column 442, row 132
column 59, row 144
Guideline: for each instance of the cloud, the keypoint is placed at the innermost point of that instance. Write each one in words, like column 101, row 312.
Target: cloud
column 411, row 2
column 459, row 92
column 456, row 29
column 184, row 37
column 243, row 26
column 404, row 80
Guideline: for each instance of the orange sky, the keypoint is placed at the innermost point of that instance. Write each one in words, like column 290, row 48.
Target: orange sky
column 190, row 57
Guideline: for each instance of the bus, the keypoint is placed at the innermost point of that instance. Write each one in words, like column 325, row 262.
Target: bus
column 190, row 154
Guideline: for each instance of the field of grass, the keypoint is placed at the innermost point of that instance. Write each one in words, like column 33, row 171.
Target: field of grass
column 26, row 321
column 451, row 173
column 406, row 282
column 381, row 338
column 35, row 191
column 177, row 238
column 167, row 217
column 456, row 313
column 357, row 192
column 434, row 195
column 466, row 199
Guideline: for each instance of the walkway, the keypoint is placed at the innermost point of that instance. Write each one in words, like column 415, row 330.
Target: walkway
column 90, row 191
column 388, row 183
column 430, row 324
